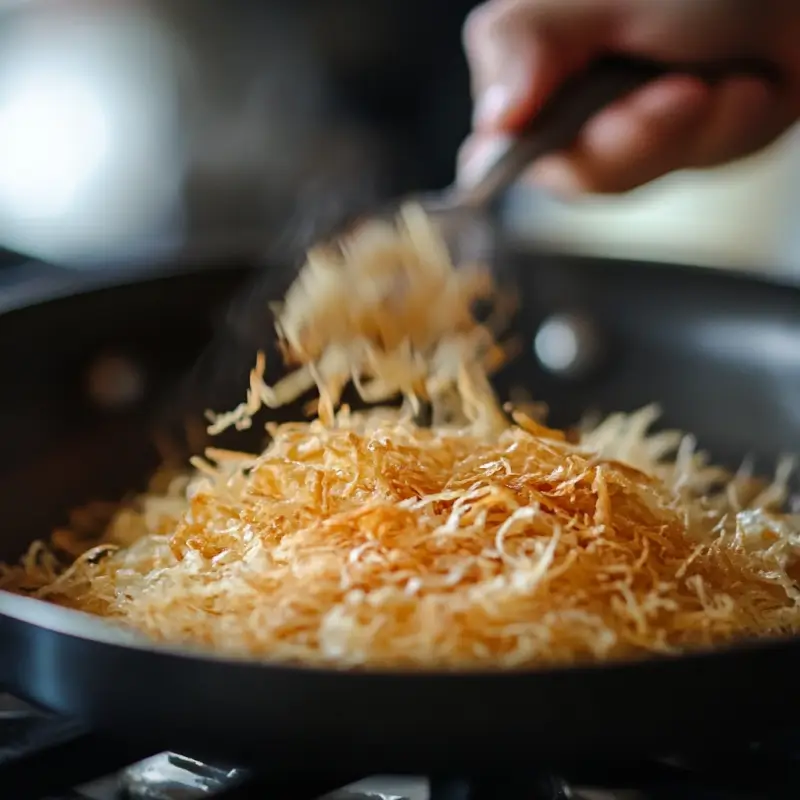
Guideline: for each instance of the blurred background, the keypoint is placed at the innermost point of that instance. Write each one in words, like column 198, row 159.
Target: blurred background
column 141, row 131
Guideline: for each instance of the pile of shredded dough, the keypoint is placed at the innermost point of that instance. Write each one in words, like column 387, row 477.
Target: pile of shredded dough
column 483, row 540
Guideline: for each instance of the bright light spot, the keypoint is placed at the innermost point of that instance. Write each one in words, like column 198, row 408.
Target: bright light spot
column 557, row 344
column 53, row 139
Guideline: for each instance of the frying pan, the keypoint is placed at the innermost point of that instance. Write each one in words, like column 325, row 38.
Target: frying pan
column 720, row 353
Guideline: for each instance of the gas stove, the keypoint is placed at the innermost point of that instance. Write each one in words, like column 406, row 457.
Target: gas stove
column 44, row 757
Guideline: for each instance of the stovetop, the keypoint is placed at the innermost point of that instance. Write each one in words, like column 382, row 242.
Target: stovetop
column 44, row 757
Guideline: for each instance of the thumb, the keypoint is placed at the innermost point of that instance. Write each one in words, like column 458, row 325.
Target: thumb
column 520, row 51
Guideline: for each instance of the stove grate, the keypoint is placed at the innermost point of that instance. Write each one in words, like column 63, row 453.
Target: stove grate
column 44, row 757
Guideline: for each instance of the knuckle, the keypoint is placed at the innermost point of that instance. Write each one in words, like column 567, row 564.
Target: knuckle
column 481, row 24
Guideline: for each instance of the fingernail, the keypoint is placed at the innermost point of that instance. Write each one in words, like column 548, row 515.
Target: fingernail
column 492, row 105
column 478, row 159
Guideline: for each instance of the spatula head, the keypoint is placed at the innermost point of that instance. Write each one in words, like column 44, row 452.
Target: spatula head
column 218, row 380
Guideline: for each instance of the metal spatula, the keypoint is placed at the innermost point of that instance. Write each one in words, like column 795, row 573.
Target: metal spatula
column 463, row 213
column 462, row 210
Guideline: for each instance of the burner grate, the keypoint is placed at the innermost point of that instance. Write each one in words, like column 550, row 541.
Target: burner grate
column 44, row 757
column 41, row 755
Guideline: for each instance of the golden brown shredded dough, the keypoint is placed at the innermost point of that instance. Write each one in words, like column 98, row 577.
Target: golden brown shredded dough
column 363, row 539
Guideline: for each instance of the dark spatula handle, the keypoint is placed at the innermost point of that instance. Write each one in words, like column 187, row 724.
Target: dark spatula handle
column 560, row 120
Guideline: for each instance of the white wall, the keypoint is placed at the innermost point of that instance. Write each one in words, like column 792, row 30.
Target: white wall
column 743, row 215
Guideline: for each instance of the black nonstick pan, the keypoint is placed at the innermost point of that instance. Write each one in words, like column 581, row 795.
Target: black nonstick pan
column 720, row 353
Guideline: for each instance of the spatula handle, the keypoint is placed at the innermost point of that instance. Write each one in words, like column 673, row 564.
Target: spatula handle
column 559, row 122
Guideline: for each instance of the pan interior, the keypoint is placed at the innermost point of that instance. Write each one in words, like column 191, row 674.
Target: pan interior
column 720, row 354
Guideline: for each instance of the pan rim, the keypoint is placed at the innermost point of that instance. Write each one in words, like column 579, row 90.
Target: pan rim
column 81, row 625
column 50, row 284
column 53, row 284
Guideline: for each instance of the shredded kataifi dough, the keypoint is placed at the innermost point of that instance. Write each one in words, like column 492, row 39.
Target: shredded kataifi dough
column 483, row 540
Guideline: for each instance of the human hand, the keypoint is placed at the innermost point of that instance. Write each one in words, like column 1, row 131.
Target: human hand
column 520, row 51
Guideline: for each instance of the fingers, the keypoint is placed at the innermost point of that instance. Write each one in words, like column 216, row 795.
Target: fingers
column 631, row 142
column 519, row 52
column 746, row 115
column 674, row 123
